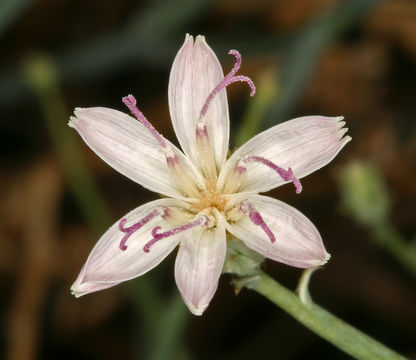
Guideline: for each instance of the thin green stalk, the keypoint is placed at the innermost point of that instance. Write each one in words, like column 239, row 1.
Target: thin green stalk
column 317, row 319
column 169, row 330
column 162, row 321
column 391, row 240
column 43, row 79
column 367, row 199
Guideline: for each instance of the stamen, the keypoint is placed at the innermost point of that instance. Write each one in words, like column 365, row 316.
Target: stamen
column 206, row 156
column 130, row 102
column 228, row 79
column 132, row 229
column 257, row 219
column 201, row 221
column 285, row 175
column 180, row 175
column 234, row 180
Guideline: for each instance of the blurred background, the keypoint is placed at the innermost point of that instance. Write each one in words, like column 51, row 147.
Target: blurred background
column 355, row 58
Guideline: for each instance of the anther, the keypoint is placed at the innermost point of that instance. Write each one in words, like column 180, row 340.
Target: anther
column 180, row 175
column 200, row 221
column 256, row 219
column 204, row 147
column 132, row 229
column 286, row 175
column 234, row 180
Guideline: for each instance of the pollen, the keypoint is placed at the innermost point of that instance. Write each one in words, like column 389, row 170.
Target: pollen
column 211, row 198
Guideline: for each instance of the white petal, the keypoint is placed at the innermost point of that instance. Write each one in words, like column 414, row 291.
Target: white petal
column 298, row 242
column 195, row 72
column 126, row 145
column 108, row 265
column 305, row 144
column 198, row 266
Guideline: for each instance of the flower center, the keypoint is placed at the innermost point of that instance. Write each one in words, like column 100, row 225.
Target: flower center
column 211, row 198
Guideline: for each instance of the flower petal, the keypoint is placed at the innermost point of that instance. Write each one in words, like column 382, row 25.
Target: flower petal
column 298, row 242
column 198, row 266
column 195, row 72
column 108, row 265
column 305, row 144
column 126, row 145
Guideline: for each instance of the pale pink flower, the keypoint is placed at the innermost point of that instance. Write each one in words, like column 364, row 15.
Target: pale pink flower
column 205, row 194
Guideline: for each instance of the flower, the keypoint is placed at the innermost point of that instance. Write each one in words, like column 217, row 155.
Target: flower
column 206, row 194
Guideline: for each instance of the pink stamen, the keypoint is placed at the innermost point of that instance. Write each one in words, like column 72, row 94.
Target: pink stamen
column 201, row 221
column 285, row 175
column 257, row 219
column 130, row 102
column 228, row 79
column 132, row 229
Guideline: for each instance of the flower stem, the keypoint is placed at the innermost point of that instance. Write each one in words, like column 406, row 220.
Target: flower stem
column 320, row 321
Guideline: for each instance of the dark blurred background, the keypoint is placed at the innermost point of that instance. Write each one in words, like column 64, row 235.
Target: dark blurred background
column 355, row 58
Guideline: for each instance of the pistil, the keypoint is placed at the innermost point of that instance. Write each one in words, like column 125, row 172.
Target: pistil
column 228, row 79
column 204, row 144
column 286, row 175
column 130, row 101
column 200, row 221
column 257, row 219
column 132, row 229
column 184, row 181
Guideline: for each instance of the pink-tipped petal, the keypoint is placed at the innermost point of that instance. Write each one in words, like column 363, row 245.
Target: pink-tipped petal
column 126, row 145
column 298, row 242
column 198, row 266
column 108, row 265
column 195, row 72
column 304, row 144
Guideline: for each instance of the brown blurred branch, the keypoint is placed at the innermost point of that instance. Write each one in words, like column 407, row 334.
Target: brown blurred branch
column 40, row 193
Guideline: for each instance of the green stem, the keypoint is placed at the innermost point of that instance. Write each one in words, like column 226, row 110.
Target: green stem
column 320, row 321
column 169, row 330
column 390, row 239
